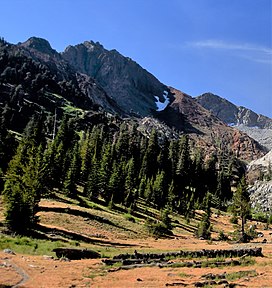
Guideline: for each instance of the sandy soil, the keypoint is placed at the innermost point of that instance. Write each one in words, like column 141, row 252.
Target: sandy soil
column 44, row 272
column 38, row 271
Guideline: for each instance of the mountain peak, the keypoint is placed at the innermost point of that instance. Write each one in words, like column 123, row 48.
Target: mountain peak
column 39, row 44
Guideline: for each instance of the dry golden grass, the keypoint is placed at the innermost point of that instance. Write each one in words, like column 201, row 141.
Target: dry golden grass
column 118, row 235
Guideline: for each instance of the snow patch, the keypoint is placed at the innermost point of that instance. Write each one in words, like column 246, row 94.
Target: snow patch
column 162, row 105
column 232, row 124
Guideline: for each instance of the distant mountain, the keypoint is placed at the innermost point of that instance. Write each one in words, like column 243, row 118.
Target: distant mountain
column 207, row 130
column 255, row 125
column 93, row 82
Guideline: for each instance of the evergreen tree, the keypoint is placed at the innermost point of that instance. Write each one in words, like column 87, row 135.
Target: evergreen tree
column 130, row 183
column 104, row 172
column 149, row 163
column 72, row 174
column 241, row 205
column 160, row 190
column 91, row 186
column 142, row 187
column 211, row 175
column 23, row 186
column 116, row 186
column 204, row 228
column 183, row 171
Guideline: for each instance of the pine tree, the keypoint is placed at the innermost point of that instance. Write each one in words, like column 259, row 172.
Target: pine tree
column 183, row 171
column 204, row 228
column 72, row 174
column 116, row 186
column 130, row 183
column 160, row 190
column 241, row 205
column 104, row 172
column 91, row 185
column 149, row 163
column 23, row 185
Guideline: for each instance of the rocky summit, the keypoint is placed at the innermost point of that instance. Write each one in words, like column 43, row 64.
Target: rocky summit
column 91, row 80
column 131, row 86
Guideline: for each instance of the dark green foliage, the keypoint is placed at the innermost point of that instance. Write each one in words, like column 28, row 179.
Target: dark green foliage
column 72, row 174
column 23, row 185
column 120, row 166
column 241, row 205
column 157, row 228
column 204, row 227
column 165, row 218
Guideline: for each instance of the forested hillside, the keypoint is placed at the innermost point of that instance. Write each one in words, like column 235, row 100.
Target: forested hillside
column 55, row 137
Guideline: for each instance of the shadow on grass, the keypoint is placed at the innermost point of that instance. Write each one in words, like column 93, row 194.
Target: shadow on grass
column 185, row 227
column 74, row 236
column 83, row 214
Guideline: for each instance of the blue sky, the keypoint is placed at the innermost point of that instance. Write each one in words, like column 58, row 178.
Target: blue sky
column 197, row 46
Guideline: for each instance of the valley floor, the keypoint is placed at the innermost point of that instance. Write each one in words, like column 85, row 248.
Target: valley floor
column 40, row 271
column 31, row 270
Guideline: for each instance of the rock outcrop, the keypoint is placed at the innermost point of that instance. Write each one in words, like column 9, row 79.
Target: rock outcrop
column 87, row 78
column 261, row 196
column 131, row 86
column 207, row 130
column 257, row 126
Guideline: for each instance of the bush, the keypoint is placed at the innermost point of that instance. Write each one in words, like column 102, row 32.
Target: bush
column 129, row 217
column 157, row 228
column 234, row 220
column 222, row 236
column 203, row 230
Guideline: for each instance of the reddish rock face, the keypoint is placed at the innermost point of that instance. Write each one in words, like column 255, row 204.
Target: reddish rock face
column 208, row 131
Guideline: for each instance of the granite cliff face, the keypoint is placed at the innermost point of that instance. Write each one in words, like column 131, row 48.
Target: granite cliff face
column 259, row 175
column 260, row 169
column 261, row 196
column 131, row 86
column 257, row 126
column 232, row 114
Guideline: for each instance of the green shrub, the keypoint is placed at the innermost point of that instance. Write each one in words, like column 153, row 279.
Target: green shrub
column 129, row 217
column 234, row 220
column 157, row 228
column 222, row 236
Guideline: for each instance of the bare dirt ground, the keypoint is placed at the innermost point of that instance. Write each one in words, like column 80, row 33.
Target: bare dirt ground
column 45, row 272
column 38, row 271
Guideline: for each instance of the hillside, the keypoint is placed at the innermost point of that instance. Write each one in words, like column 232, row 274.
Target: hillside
column 65, row 223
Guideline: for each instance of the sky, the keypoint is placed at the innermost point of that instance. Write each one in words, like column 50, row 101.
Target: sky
column 196, row 46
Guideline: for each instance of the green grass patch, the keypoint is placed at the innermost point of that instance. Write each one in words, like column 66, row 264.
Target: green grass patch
column 26, row 245
column 241, row 274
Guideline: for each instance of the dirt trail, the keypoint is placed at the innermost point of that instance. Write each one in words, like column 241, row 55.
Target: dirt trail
column 11, row 274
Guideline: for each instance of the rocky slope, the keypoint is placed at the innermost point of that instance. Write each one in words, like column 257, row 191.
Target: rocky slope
column 260, row 168
column 259, row 174
column 261, row 196
column 131, row 86
column 206, row 130
column 255, row 125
